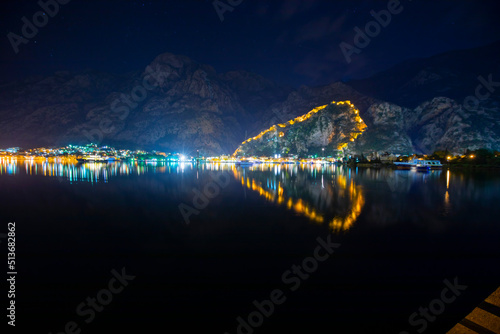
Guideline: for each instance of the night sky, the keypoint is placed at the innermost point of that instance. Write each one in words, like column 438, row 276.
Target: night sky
column 292, row 42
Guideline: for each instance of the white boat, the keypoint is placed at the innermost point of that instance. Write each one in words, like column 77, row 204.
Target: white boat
column 91, row 158
column 419, row 164
column 432, row 164
column 421, row 167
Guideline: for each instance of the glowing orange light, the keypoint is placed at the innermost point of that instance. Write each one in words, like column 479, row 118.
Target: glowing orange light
column 307, row 116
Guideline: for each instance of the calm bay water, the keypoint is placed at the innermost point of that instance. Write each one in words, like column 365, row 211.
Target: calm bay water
column 401, row 234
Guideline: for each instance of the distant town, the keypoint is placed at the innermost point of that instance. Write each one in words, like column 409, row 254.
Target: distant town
column 91, row 152
column 94, row 153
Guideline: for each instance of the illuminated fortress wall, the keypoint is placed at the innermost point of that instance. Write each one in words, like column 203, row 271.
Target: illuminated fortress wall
column 280, row 130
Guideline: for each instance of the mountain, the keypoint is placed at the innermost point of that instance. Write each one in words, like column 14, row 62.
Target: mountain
column 177, row 104
column 449, row 102
column 452, row 74
column 438, row 124
column 41, row 110
column 323, row 130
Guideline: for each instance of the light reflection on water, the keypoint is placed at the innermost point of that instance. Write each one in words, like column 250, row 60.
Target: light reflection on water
column 323, row 194
column 86, row 172
column 338, row 201
column 330, row 195
column 401, row 225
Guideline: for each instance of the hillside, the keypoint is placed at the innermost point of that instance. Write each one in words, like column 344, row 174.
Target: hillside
column 177, row 104
column 323, row 130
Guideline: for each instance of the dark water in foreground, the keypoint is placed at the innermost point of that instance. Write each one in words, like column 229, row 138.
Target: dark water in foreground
column 401, row 234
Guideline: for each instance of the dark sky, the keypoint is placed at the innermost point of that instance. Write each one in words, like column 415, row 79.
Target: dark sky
column 293, row 41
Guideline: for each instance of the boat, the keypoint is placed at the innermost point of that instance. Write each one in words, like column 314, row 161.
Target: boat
column 244, row 163
column 422, row 168
column 419, row 164
column 92, row 158
column 111, row 158
column 432, row 164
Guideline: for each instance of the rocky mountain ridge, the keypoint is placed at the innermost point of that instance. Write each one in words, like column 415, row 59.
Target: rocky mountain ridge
column 322, row 131
column 177, row 104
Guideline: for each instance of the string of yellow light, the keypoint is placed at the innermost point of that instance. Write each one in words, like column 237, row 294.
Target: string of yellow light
column 303, row 118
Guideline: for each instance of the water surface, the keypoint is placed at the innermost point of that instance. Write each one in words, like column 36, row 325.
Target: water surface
column 401, row 233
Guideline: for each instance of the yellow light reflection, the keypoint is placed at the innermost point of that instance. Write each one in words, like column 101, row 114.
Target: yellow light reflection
column 344, row 223
column 301, row 207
